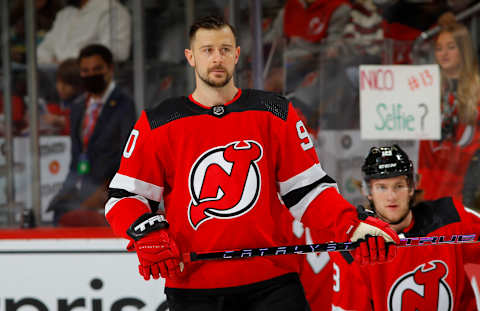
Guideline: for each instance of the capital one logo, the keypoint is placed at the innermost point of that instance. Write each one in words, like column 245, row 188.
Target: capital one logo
column 423, row 289
column 224, row 182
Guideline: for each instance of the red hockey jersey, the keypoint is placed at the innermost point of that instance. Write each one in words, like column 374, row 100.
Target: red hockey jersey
column 219, row 171
column 309, row 23
column 316, row 272
column 419, row 278
column 442, row 165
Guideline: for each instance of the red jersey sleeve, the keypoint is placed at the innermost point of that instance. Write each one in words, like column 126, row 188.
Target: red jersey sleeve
column 471, row 218
column 140, row 178
column 310, row 194
column 470, row 225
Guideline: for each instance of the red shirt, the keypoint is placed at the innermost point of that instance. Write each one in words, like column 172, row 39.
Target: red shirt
column 309, row 23
column 442, row 165
column 220, row 172
column 59, row 110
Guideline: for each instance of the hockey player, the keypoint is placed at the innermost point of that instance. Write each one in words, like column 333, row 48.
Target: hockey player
column 418, row 278
column 218, row 159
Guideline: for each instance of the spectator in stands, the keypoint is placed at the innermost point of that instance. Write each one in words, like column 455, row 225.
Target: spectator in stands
column 100, row 126
column 306, row 23
column 69, row 88
column 443, row 164
column 405, row 20
column 45, row 11
column 364, row 32
column 85, row 22
column 312, row 29
column 329, row 96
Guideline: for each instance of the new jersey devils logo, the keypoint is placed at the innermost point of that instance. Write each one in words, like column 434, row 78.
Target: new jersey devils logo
column 316, row 25
column 224, row 182
column 424, row 289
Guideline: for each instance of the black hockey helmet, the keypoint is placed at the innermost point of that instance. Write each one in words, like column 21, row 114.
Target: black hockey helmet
column 386, row 162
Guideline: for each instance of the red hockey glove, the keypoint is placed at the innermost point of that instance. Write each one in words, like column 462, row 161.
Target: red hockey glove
column 158, row 255
column 372, row 233
column 374, row 250
column 157, row 252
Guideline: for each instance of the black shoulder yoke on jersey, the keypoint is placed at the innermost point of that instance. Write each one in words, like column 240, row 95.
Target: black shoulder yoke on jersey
column 250, row 100
column 432, row 215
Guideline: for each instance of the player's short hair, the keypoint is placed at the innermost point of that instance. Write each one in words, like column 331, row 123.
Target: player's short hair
column 68, row 72
column 214, row 22
column 96, row 49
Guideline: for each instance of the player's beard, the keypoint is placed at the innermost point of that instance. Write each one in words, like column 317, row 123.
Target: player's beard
column 213, row 83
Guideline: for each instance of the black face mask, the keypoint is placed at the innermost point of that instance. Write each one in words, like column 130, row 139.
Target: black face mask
column 95, row 84
column 75, row 3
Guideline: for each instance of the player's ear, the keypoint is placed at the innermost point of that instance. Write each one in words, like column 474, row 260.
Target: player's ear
column 411, row 192
column 237, row 54
column 189, row 56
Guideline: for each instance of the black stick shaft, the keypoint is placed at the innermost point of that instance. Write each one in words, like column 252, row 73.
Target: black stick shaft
column 274, row 251
column 326, row 247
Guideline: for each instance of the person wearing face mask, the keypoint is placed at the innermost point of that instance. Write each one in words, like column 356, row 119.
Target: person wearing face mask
column 83, row 22
column 100, row 125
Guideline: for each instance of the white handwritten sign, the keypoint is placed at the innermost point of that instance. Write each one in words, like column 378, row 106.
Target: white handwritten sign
column 400, row 102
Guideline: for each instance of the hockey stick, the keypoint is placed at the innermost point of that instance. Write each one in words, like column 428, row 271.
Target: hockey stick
column 324, row 247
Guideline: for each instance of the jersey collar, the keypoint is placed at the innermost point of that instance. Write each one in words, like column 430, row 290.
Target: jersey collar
column 237, row 96
column 410, row 226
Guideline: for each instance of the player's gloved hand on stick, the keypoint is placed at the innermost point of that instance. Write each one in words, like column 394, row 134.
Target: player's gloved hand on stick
column 157, row 252
column 158, row 255
column 377, row 241
column 374, row 249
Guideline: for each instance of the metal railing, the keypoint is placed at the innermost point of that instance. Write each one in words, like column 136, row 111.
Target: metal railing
column 473, row 10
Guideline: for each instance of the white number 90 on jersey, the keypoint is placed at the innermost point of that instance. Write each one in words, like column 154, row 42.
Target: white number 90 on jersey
column 304, row 136
column 132, row 140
